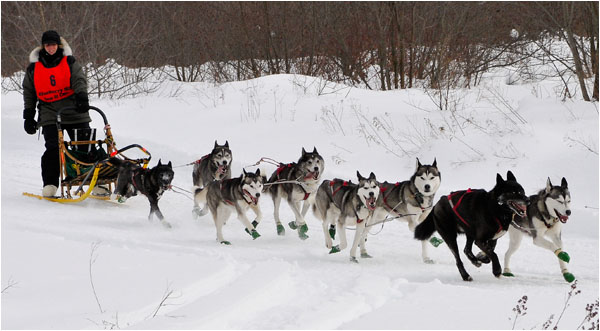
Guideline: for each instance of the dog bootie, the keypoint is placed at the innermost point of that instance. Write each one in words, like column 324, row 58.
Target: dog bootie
column 365, row 255
column 293, row 225
column 562, row 255
column 353, row 259
column 280, row 230
column 435, row 241
column 332, row 231
column 100, row 191
column 225, row 242
column 335, row 249
column 49, row 191
column 568, row 277
column 253, row 233
column 302, row 232
column 255, row 224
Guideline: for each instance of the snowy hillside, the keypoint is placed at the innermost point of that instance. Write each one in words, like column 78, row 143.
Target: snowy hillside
column 147, row 277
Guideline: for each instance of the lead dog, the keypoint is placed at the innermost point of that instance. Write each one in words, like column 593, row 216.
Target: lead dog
column 482, row 216
column 236, row 194
column 412, row 200
column 150, row 182
column 340, row 203
column 306, row 173
column 550, row 208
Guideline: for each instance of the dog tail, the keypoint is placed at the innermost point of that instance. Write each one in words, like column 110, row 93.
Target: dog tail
column 426, row 228
column 200, row 195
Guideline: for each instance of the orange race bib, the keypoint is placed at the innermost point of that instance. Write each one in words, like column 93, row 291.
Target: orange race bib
column 52, row 84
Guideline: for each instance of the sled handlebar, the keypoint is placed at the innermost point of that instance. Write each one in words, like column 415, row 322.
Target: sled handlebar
column 59, row 119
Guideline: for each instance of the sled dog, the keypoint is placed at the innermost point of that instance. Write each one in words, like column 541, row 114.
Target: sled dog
column 307, row 173
column 150, row 182
column 235, row 194
column 482, row 216
column 549, row 209
column 210, row 167
column 341, row 203
column 411, row 200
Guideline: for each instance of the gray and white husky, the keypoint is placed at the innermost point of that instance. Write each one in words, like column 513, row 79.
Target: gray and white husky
column 412, row 200
column 236, row 194
column 340, row 203
column 306, row 175
column 549, row 209
column 213, row 166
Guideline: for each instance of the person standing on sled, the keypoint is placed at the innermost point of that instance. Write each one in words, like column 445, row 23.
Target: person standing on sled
column 54, row 80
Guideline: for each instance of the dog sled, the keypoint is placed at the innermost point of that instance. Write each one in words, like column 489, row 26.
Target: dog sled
column 85, row 162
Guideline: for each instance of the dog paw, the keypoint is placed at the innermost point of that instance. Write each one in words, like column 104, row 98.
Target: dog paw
column 365, row 255
column 568, row 277
column 280, row 230
column 428, row 260
column 335, row 249
column 332, row 232
column 253, row 233
column 166, row 224
column 508, row 274
column 435, row 241
column 255, row 224
column 564, row 256
column 225, row 242
column 353, row 259
column 467, row 278
column 293, row 225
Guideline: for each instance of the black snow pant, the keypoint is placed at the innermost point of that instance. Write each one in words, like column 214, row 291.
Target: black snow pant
column 50, row 158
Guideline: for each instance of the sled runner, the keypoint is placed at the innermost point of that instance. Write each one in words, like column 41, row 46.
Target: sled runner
column 85, row 161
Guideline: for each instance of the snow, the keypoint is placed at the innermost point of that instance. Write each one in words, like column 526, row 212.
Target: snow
column 53, row 253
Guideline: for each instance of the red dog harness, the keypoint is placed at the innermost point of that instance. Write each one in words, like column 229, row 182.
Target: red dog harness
column 281, row 167
column 455, row 207
column 333, row 192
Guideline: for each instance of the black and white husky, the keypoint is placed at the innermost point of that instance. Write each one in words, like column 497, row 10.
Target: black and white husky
column 550, row 208
column 213, row 166
column 236, row 194
column 341, row 203
column 412, row 200
column 305, row 175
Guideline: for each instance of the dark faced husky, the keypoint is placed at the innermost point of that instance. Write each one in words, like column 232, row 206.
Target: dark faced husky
column 339, row 203
column 482, row 216
column 548, row 211
column 411, row 200
column 213, row 166
column 307, row 174
column 236, row 194
column 150, row 182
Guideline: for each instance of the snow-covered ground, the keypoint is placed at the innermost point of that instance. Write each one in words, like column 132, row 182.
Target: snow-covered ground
column 145, row 276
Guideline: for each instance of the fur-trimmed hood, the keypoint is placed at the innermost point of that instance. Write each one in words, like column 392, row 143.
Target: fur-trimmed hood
column 34, row 56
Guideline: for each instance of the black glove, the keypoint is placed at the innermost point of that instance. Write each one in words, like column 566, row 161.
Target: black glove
column 82, row 103
column 30, row 124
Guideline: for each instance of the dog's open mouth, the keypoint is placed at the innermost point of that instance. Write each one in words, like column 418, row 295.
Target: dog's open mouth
column 562, row 218
column 518, row 207
column 222, row 169
column 371, row 203
column 312, row 175
column 253, row 199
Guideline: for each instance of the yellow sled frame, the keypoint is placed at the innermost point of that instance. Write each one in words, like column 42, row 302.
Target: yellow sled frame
column 102, row 173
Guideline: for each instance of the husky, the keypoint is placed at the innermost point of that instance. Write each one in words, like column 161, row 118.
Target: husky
column 412, row 200
column 307, row 173
column 482, row 216
column 210, row 167
column 550, row 208
column 152, row 183
column 339, row 203
column 234, row 194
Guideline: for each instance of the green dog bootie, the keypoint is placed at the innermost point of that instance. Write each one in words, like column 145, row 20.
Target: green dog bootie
column 335, row 249
column 253, row 233
column 293, row 225
column 508, row 274
column 332, row 231
column 280, row 230
column 563, row 256
column 569, row 277
column 225, row 242
column 435, row 241
column 303, row 231
column 255, row 224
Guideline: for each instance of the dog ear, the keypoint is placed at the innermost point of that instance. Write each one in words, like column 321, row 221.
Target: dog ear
column 257, row 172
column 159, row 162
column 226, row 144
column 244, row 173
column 216, row 145
column 303, row 152
column 372, row 176
column 359, row 176
column 510, row 176
column 563, row 183
column 548, row 185
column 418, row 163
column 499, row 179
column 434, row 164
column 170, row 166
column 315, row 150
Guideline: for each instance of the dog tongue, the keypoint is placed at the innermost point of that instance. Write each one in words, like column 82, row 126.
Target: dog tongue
column 564, row 218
